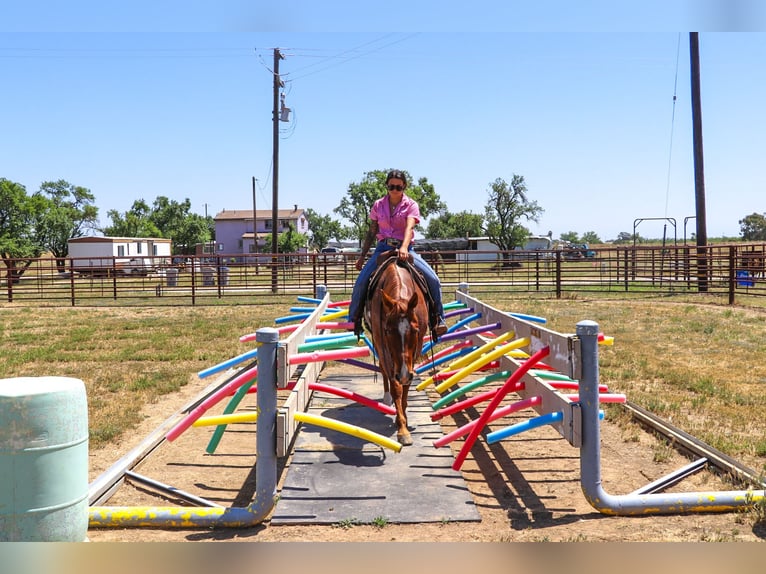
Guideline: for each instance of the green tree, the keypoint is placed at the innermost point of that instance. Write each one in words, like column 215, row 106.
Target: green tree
column 323, row 228
column 70, row 215
column 355, row 206
column 507, row 206
column 21, row 217
column 135, row 222
column 591, row 238
column 291, row 241
column 452, row 225
column 570, row 237
column 624, row 237
column 753, row 227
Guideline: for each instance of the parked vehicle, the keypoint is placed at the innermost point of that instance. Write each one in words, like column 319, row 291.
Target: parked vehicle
column 578, row 251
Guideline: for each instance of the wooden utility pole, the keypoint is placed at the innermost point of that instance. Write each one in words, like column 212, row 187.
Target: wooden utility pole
column 275, row 177
column 699, row 167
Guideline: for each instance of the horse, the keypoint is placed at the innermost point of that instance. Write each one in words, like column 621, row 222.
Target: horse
column 397, row 316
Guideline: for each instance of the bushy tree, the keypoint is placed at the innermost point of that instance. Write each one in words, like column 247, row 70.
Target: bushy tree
column 452, row 225
column 570, row 237
column 591, row 238
column 323, row 228
column 506, row 209
column 70, row 215
column 753, row 227
column 22, row 237
column 355, row 206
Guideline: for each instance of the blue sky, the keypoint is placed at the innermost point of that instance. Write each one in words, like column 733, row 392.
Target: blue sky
column 176, row 101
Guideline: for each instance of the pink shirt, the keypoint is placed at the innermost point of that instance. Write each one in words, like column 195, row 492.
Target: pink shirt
column 392, row 225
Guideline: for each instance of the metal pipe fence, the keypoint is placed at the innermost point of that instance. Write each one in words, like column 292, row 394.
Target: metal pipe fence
column 734, row 273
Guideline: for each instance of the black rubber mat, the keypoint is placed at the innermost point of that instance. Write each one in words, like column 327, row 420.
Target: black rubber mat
column 337, row 478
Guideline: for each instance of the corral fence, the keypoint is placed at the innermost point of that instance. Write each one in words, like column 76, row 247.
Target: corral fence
column 732, row 272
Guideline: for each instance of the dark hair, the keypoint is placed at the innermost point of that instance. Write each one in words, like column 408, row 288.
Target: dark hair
column 396, row 174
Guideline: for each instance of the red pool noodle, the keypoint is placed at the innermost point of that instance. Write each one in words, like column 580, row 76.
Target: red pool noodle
column 383, row 408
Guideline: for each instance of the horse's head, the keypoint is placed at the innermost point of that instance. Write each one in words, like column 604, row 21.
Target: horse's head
column 403, row 329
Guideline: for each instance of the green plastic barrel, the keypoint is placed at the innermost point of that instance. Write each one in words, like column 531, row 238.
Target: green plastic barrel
column 43, row 460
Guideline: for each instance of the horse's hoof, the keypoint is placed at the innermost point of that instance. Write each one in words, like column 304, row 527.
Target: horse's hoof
column 404, row 439
column 388, row 399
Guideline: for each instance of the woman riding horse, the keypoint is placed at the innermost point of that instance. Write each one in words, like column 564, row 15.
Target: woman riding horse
column 392, row 222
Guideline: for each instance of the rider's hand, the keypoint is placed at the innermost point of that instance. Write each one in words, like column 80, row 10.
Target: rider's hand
column 359, row 263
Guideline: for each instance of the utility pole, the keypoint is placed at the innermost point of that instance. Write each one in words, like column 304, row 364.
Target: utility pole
column 699, row 167
column 255, row 228
column 275, row 170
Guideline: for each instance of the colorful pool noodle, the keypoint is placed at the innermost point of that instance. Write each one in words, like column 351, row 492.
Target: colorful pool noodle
column 340, row 303
column 481, row 361
column 378, row 406
column 444, row 359
column 542, row 420
column 472, row 331
column 533, row 423
column 211, row 400
column 512, row 380
column 446, row 351
column 453, row 305
column 349, row 429
column 225, row 419
column 327, row 344
column 457, row 393
column 333, row 315
column 451, row 329
column 340, row 325
column 604, row 340
column 531, row 318
column 499, row 413
column 464, row 404
column 306, row 299
column 470, row 357
column 332, row 355
column 229, row 363
column 291, row 318
column 456, row 312
column 231, row 406
column 361, row 364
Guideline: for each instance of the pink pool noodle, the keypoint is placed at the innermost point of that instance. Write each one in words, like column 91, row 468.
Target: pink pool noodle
column 499, row 413
column 213, row 399
column 317, row 356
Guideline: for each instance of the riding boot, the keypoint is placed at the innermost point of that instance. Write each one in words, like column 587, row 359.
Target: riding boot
column 441, row 327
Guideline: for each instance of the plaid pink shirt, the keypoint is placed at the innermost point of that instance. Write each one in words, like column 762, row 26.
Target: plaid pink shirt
column 393, row 225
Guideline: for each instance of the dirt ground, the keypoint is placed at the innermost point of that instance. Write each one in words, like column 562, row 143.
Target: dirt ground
column 526, row 489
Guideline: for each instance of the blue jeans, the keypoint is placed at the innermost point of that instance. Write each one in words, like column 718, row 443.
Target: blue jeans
column 360, row 287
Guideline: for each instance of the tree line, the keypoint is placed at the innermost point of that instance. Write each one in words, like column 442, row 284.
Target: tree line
column 44, row 221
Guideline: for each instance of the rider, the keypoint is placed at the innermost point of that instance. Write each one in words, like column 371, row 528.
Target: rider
column 392, row 222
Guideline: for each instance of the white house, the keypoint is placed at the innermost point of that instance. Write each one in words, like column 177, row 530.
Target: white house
column 130, row 255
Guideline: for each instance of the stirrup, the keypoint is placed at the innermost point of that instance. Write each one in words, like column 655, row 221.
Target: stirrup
column 440, row 328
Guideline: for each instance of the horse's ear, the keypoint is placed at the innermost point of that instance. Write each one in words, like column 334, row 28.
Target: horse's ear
column 412, row 304
column 389, row 302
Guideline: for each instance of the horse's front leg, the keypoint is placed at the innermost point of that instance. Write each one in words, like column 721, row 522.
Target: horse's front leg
column 399, row 393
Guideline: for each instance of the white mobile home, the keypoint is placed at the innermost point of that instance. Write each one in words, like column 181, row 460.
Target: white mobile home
column 480, row 249
column 123, row 255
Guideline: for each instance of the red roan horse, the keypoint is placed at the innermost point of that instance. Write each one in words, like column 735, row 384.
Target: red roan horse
column 397, row 315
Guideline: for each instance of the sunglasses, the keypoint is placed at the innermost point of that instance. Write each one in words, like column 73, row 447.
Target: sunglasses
column 395, row 187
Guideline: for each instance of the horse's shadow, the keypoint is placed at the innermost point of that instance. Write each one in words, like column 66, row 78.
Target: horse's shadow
column 349, row 449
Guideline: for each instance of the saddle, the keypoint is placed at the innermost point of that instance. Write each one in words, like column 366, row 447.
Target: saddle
column 390, row 258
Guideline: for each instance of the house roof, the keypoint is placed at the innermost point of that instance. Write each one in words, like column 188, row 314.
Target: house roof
column 239, row 214
column 102, row 239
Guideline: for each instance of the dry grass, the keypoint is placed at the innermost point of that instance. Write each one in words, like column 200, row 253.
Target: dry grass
column 701, row 366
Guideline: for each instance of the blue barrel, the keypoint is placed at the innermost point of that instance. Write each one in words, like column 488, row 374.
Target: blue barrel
column 43, row 460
